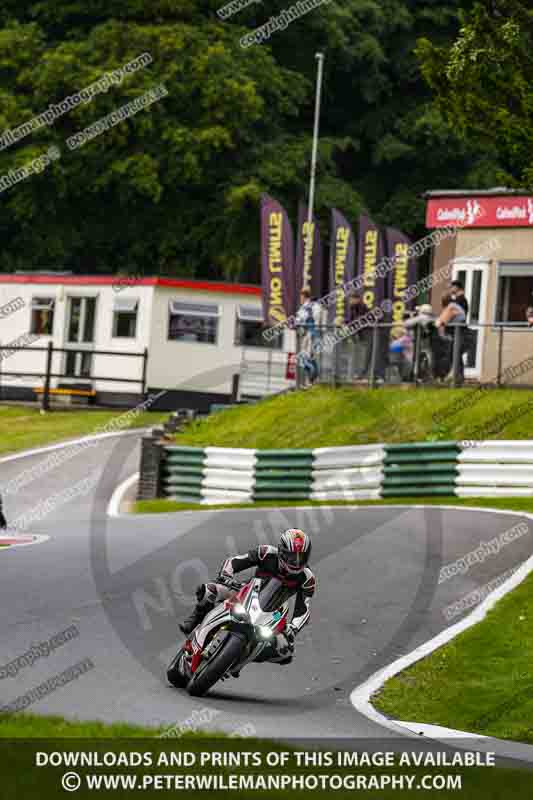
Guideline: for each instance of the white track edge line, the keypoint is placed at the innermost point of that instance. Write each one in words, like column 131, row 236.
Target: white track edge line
column 360, row 697
column 68, row 443
column 113, row 507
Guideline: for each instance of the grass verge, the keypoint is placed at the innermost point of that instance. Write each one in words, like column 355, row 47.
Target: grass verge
column 325, row 417
column 28, row 740
column 481, row 682
column 525, row 504
column 32, row 726
column 22, row 428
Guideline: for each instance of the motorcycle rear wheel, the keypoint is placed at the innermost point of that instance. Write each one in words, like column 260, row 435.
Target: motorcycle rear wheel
column 209, row 674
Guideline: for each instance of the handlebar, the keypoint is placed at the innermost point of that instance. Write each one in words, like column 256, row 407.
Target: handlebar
column 230, row 582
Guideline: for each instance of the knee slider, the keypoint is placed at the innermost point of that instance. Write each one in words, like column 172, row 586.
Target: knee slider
column 207, row 592
column 201, row 592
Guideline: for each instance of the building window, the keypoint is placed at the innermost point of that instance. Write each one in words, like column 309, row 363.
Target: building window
column 515, row 292
column 42, row 316
column 249, row 329
column 125, row 318
column 193, row 322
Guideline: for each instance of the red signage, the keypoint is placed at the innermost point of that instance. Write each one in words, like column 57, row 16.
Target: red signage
column 290, row 371
column 479, row 212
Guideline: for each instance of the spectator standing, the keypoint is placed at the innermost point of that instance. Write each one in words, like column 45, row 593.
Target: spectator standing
column 308, row 319
column 424, row 315
column 424, row 318
column 361, row 338
column 452, row 315
column 457, row 293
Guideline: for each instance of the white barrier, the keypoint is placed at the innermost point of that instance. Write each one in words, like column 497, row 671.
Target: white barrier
column 496, row 452
column 492, row 491
column 348, row 494
column 484, row 469
column 230, row 458
column 363, row 478
column 364, row 455
column 228, row 479
column 495, row 475
column 220, row 496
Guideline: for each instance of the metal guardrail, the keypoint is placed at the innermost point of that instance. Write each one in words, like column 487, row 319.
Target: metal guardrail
column 46, row 374
column 433, row 359
column 259, row 377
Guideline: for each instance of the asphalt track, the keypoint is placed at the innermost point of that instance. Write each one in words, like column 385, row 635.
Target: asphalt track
column 124, row 582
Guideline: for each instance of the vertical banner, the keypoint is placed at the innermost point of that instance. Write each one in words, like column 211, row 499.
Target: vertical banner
column 277, row 262
column 402, row 275
column 371, row 253
column 341, row 265
column 308, row 262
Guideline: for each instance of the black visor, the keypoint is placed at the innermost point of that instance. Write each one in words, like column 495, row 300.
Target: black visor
column 295, row 559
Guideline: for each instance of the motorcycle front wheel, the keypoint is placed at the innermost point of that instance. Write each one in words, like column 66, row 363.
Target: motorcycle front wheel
column 174, row 675
column 210, row 673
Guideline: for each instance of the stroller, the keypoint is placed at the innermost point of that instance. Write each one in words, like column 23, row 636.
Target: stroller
column 435, row 356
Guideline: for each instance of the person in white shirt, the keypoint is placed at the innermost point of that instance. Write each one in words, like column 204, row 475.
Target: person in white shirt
column 308, row 320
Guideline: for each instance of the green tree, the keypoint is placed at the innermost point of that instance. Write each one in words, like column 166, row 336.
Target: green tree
column 175, row 189
column 483, row 83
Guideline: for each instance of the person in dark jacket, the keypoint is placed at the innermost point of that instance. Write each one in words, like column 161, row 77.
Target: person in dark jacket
column 457, row 294
column 362, row 338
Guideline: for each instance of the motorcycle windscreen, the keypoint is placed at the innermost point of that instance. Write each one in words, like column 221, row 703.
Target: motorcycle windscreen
column 273, row 594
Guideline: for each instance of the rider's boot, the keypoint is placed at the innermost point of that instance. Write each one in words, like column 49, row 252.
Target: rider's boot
column 198, row 614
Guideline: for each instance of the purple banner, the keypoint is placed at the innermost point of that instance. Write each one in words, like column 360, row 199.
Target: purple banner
column 403, row 274
column 341, row 265
column 371, row 252
column 308, row 262
column 277, row 262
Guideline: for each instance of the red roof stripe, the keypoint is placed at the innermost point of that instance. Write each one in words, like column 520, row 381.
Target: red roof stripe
column 109, row 280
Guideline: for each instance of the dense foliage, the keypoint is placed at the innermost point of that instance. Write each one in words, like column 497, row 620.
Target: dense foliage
column 483, row 83
column 175, row 188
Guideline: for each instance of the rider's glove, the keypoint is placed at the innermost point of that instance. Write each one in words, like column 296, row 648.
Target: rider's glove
column 285, row 642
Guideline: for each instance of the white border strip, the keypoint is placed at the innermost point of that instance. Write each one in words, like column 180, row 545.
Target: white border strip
column 68, row 443
column 361, row 696
column 113, row 507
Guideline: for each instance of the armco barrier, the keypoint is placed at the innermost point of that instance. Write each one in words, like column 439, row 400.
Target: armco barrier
column 495, row 469
column 208, row 475
column 216, row 475
column 347, row 473
column 283, row 475
column 429, row 468
column 221, row 475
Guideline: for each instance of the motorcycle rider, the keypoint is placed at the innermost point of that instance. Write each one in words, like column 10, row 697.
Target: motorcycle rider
column 287, row 562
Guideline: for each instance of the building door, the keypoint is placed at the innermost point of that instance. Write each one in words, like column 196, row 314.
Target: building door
column 474, row 276
column 81, row 316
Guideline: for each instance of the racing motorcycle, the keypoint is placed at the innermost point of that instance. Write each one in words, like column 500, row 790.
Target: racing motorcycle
column 237, row 631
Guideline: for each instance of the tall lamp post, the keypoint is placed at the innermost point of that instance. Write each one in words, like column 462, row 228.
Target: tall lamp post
column 309, row 237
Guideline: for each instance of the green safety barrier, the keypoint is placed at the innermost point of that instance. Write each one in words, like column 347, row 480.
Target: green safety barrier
column 420, row 468
column 426, row 468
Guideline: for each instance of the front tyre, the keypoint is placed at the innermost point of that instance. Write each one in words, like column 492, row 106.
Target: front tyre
column 174, row 676
column 208, row 675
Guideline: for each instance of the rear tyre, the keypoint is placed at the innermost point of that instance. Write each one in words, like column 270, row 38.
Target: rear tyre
column 174, row 676
column 228, row 655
